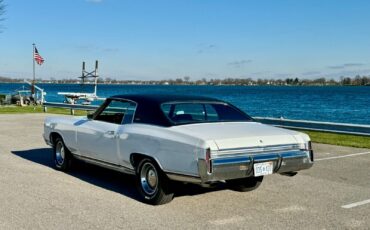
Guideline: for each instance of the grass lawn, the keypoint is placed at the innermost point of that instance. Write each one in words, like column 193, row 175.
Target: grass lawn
column 318, row 137
column 339, row 139
column 37, row 109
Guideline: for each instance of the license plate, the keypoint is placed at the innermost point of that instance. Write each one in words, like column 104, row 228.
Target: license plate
column 264, row 168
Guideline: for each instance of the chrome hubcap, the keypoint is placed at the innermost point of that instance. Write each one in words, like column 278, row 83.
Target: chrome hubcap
column 152, row 178
column 149, row 178
column 59, row 153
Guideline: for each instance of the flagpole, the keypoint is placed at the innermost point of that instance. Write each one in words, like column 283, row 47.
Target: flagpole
column 34, row 78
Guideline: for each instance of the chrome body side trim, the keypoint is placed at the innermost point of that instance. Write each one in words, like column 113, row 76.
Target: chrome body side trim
column 105, row 164
column 183, row 177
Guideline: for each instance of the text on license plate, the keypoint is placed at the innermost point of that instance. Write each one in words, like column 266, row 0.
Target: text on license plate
column 264, row 168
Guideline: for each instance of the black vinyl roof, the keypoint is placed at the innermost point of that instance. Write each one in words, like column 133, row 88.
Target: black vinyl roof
column 162, row 98
column 148, row 108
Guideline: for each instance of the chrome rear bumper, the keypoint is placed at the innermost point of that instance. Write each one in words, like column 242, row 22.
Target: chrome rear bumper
column 241, row 165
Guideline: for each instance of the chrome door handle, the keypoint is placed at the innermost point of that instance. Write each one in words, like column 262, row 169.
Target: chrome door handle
column 110, row 134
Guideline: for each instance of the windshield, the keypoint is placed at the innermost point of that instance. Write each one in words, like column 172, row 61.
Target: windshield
column 199, row 112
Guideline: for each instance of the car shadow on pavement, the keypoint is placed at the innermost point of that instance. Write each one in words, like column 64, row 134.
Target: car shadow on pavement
column 104, row 178
column 108, row 179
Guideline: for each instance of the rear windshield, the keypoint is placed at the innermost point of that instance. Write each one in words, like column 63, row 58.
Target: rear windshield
column 199, row 112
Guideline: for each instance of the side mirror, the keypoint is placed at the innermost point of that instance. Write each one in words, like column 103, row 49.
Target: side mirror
column 90, row 116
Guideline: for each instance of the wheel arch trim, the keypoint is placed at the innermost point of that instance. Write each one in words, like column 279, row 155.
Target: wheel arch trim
column 141, row 156
column 52, row 134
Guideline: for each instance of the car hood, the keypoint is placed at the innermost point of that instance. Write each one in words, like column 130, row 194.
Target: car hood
column 229, row 135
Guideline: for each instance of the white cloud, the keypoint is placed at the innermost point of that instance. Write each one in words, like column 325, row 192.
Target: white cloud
column 346, row 65
column 202, row 48
column 239, row 63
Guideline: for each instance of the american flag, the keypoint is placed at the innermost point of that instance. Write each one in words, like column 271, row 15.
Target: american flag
column 38, row 57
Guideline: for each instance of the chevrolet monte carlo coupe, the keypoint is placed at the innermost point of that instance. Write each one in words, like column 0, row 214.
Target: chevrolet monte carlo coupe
column 160, row 138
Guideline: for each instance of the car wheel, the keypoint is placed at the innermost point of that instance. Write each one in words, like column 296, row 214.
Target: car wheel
column 62, row 156
column 152, row 183
column 245, row 184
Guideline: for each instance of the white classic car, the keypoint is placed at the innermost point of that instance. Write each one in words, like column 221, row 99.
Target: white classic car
column 194, row 139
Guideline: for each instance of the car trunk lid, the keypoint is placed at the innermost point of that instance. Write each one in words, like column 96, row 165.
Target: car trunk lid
column 230, row 136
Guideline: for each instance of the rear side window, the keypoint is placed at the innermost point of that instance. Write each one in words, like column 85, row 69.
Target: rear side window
column 212, row 114
column 184, row 113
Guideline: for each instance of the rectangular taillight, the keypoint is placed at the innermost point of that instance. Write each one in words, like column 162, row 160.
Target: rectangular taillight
column 208, row 160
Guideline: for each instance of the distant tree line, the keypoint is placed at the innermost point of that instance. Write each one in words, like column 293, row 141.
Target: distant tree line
column 9, row 80
column 345, row 81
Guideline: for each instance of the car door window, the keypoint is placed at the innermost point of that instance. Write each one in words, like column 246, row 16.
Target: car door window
column 117, row 112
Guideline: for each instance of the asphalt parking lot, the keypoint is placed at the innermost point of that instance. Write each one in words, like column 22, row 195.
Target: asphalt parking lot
column 333, row 194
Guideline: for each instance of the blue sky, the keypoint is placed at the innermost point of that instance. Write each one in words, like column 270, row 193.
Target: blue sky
column 198, row 38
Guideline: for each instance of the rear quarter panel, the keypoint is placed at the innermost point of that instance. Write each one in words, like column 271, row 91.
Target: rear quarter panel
column 173, row 151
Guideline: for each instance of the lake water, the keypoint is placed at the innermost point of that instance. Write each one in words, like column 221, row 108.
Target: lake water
column 334, row 104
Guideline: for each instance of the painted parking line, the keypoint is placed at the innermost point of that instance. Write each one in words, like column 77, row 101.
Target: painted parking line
column 344, row 156
column 356, row 204
column 231, row 220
